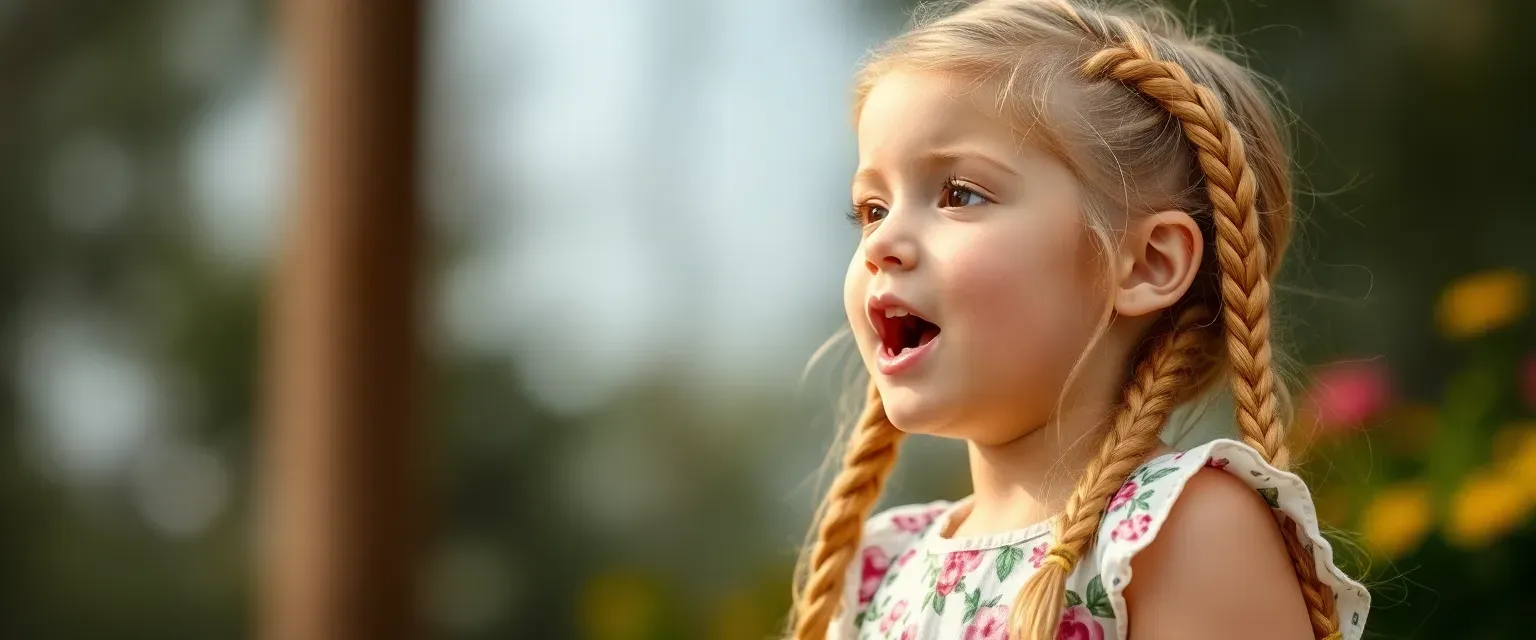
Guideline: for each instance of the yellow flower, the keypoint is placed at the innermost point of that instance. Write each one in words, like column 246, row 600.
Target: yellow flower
column 1483, row 301
column 619, row 606
column 1395, row 521
column 1488, row 505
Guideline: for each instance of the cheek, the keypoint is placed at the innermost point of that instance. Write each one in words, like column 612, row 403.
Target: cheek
column 1028, row 302
column 855, row 299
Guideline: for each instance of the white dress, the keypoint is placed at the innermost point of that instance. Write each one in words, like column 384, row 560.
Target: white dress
column 910, row 583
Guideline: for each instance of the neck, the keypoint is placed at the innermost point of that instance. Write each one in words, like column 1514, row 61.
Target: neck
column 1028, row 479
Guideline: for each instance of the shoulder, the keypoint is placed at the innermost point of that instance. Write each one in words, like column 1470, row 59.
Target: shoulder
column 1218, row 569
column 908, row 520
column 1217, row 513
column 1200, row 531
column 891, row 532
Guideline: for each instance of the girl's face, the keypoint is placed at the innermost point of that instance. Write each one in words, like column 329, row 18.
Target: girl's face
column 975, row 288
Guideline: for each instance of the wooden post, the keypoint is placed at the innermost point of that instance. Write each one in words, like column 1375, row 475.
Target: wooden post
column 341, row 495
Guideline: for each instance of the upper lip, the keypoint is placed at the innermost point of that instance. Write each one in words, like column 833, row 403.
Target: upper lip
column 880, row 302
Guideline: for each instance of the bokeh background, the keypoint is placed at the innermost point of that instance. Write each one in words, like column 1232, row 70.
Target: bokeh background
column 637, row 242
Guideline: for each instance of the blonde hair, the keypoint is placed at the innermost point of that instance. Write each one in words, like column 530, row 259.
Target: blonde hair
column 1158, row 120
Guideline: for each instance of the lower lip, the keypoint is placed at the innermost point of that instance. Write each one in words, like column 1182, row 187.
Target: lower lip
column 890, row 365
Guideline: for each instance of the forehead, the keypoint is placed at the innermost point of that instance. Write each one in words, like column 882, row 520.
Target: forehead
column 907, row 113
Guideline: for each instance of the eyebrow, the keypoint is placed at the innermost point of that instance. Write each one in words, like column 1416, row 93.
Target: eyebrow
column 939, row 157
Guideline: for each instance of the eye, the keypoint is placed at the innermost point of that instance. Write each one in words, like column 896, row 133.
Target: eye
column 866, row 213
column 956, row 195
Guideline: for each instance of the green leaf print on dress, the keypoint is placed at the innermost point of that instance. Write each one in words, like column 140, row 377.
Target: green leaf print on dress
column 972, row 602
column 1153, row 476
column 1271, row 495
column 1098, row 600
column 1007, row 557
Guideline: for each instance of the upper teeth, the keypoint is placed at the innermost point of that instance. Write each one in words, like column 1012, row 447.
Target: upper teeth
column 895, row 312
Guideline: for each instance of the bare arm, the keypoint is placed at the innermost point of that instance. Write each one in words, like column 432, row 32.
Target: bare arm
column 1218, row 569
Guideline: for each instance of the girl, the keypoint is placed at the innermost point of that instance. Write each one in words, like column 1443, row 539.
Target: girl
column 1070, row 217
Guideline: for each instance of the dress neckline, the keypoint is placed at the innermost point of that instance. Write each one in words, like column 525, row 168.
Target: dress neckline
column 936, row 542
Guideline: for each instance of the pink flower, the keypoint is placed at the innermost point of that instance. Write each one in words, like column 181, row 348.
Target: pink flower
column 1216, row 463
column 876, row 563
column 956, row 565
column 1345, row 395
column 909, row 633
column 990, row 623
column 1078, row 624
column 1127, row 494
column 890, row 618
column 906, row 557
column 1037, row 555
column 916, row 522
column 913, row 524
column 1131, row 529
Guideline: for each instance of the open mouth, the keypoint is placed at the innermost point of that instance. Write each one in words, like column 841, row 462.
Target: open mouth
column 901, row 331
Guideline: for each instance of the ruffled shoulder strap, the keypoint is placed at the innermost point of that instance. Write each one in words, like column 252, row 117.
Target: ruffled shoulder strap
column 887, row 535
column 1142, row 505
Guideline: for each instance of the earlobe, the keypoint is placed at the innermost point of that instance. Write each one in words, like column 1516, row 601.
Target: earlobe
column 1161, row 255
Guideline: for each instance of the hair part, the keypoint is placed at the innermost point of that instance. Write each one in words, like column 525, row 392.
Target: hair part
column 1147, row 118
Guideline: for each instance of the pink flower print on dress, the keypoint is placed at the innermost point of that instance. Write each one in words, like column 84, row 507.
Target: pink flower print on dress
column 913, row 523
column 1131, row 529
column 1127, row 494
column 1216, row 463
column 990, row 623
column 1078, row 624
column 917, row 522
column 906, row 557
column 876, row 563
column 909, row 633
column 1037, row 555
column 895, row 614
column 956, row 565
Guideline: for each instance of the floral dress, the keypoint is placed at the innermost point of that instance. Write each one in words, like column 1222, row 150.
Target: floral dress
column 910, row 583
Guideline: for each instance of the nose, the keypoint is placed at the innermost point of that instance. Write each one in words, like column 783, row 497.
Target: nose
column 890, row 247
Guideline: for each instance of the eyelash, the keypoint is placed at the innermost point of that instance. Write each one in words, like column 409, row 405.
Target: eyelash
column 856, row 214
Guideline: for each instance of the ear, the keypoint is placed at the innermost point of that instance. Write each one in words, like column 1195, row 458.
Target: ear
column 1159, row 257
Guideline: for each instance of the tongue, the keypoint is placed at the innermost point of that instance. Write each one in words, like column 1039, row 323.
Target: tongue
column 929, row 333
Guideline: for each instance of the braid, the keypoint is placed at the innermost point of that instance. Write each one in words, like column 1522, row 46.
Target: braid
column 1232, row 190
column 1321, row 609
column 868, row 461
column 1158, row 382
column 1244, row 265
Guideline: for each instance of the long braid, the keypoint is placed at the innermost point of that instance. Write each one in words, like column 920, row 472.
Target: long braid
column 1322, row 611
column 1240, row 251
column 871, row 453
column 1244, row 265
column 1154, row 391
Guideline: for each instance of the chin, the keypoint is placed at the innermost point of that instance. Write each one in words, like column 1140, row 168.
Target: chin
column 917, row 412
